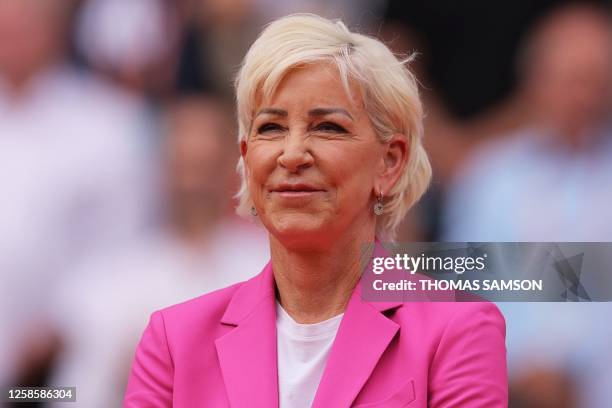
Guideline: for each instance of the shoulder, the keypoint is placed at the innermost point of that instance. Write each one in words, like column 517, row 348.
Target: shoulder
column 175, row 335
column 446, row 312
column 204, row 309
column 500, row 152
column 437, row 327
column 497, row 159
column 207, row 316
column 443, row 318
column 480, row 321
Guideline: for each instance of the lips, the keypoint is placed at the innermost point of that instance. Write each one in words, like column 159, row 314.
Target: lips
column 296, row 188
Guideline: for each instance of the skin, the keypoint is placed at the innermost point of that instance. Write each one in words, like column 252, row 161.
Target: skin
column 196, row 166
column 569, row 77
column 31, row 38
column 312, row 135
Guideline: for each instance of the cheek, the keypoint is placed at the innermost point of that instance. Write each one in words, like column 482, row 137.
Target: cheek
column 352, row 171
column 260, row 162
column 354, row 192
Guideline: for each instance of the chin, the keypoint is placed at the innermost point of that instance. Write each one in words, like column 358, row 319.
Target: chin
column 300, row 231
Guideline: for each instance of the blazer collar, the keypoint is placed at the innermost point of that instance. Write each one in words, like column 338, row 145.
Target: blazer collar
column 248, row 353
column 249, row 295
column 363, row 336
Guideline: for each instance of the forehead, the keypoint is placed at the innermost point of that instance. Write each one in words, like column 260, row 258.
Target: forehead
column 313, row 84
column 577, row 34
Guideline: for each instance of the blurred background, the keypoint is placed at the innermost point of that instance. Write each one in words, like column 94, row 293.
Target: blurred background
column 118, row 149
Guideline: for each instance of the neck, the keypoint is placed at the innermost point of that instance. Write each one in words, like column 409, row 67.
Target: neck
column 19, row 77
column 315, row 285
column 570, row 139
column 16, row 83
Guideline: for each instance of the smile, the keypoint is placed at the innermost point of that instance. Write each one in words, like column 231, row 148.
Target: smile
column 296, row 190
column 296, row 194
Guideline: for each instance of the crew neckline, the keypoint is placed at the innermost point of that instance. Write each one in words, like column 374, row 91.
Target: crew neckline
column 290, row 327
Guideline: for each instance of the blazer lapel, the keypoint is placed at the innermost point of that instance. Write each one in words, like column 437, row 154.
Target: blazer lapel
column 247, row 354
column 362, row 338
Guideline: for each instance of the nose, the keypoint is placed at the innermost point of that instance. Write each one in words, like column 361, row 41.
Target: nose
column 296, row 155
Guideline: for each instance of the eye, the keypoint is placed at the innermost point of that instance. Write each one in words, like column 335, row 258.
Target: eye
column 330, row 127
column 269, row 128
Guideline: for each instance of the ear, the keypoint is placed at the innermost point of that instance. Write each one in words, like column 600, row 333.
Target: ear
column 393, row 163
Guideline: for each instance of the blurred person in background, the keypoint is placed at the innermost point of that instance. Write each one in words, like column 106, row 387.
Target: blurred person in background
column 543, row 388
column 219, row 32
column 550, row 181
column 102, row 311
column 72, row 171
column 134, row 42
column 467, row 82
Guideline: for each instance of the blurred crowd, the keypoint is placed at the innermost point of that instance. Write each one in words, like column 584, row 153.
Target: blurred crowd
column 118, row 152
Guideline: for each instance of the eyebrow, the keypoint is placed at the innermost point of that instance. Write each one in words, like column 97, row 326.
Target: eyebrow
column 328, row 111
column 312, row 112
column 272, row 111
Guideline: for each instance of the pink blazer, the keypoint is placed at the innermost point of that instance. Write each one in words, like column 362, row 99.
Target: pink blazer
column 219, row 350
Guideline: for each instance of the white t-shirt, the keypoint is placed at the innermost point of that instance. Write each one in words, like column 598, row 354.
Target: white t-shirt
column 302, row 354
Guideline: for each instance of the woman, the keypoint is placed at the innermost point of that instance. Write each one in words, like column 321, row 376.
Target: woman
column 330, row 135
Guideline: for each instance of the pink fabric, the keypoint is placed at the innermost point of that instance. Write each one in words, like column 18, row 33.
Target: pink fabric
column 219, row 350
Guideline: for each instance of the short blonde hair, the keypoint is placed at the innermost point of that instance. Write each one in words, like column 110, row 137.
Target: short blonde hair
column 389, row 90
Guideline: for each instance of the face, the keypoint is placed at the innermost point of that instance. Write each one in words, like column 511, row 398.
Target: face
column 195, row 151
column 314, row 162
column 30, row 34
column 574, row 81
